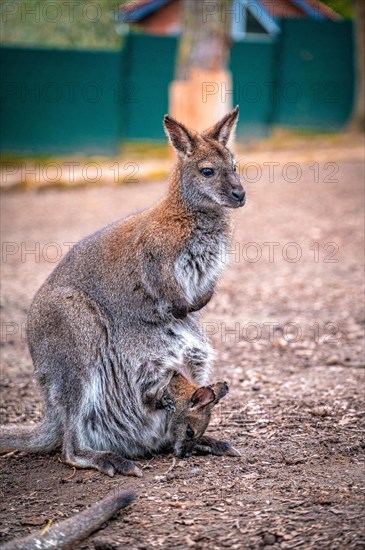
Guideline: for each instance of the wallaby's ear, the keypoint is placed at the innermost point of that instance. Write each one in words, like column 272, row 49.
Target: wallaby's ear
column 202, row 397
column 209, row 395
column 222, row 130
column 220, row 389
column 179, row 135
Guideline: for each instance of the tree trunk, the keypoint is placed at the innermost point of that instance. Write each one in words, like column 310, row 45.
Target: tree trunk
column 358, row 116
column 202, row 90
column 206, row 40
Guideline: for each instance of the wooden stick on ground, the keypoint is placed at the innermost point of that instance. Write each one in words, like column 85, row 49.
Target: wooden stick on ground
column 65, row 534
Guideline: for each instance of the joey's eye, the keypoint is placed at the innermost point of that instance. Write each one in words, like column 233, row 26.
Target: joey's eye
column 207, row 172
column 190, row 433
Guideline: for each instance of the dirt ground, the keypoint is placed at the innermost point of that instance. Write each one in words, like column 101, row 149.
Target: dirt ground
column 287, row 323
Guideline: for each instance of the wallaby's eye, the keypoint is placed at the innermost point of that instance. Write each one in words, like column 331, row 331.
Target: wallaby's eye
column 190, row 432
column 207, row 172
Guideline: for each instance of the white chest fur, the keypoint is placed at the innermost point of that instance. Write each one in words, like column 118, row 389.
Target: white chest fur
column 199, row 266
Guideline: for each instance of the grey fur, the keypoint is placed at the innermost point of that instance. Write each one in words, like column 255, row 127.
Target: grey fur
column 122, row 298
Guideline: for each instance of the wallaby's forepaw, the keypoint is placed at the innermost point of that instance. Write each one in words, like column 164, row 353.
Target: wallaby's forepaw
column 209, row 445
column 202, row 302
column 159, row 399
column 166, row 402
column 180, row 308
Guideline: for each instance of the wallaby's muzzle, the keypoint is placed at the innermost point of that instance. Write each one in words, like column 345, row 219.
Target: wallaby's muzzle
column 185, row 451
column 238, row 196
column 234, row 191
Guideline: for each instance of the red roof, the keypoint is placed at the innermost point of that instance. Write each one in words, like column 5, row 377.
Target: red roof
column 134, row 4
column 325, row 10
column 316, row 5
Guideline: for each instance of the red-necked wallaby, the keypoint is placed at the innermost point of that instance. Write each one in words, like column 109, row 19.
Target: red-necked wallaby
column 190, row 408
column 117, row 315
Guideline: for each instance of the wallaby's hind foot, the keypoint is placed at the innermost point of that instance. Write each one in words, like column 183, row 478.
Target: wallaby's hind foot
column 104, row 461
column 209, row 445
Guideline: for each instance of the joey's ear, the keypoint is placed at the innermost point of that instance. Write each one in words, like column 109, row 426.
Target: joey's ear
column 222, row 130
column 202, row 397
column 220, row 389
column 179, row 136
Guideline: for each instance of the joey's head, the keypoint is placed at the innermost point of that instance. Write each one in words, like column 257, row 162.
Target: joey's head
column 193, row 415
column 206, row 172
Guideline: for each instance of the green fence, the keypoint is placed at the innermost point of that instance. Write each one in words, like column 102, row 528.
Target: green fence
column 57, row 101
column 149, row 69
column 253, row 72
column 302, row 79
column 315, row 74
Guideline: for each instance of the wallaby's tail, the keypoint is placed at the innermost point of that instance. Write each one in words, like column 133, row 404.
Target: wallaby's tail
column 67, row 533
column 42, row 438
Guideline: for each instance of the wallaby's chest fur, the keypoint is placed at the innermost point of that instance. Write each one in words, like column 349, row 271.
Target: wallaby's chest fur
column 201, row 262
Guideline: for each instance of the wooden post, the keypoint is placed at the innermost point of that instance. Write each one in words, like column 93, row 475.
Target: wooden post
column 202, row 90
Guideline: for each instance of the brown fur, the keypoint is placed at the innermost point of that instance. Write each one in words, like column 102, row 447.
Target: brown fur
column 123, row 298
column 190, row 413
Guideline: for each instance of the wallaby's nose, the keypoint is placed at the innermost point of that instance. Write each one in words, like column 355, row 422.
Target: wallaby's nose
column 238, row 194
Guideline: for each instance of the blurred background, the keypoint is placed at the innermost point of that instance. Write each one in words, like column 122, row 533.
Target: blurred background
column 85, row 86
column 94, row 78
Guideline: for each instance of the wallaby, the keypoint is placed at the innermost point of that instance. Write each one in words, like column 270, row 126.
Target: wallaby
column 190, row 408
column 117, row 315
column 67, row 533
